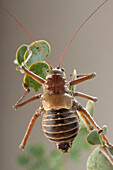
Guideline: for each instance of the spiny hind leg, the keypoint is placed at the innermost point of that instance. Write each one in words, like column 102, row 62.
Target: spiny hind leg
column 85, row 113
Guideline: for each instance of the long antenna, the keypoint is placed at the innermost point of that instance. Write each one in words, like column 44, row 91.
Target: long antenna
column 79, row 30
column 25, row 31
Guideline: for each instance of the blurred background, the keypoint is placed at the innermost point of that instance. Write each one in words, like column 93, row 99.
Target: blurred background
column 91, row 50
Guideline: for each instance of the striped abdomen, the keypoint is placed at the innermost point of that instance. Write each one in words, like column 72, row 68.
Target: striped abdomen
column 61, row 127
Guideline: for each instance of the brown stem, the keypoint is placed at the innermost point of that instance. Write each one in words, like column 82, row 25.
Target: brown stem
column 103, row 149
column 107, row 153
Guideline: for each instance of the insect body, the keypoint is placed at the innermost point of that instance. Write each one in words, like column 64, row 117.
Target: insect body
column 61, row 127
column 60, row 122
column 59, row 106
column 59, row 109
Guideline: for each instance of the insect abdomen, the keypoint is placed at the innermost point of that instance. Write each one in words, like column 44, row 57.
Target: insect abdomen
column 61, row 127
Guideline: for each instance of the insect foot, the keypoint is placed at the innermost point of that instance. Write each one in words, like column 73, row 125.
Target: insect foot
column 14, row 107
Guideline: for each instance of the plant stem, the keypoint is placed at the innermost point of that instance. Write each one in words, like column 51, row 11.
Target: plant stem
column 107, row 153
column 103, row 149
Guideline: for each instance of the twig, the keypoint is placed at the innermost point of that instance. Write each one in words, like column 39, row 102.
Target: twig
column 107, row 153
column 103, row 149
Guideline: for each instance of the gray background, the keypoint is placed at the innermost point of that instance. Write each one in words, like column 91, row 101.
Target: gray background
column 91, row 50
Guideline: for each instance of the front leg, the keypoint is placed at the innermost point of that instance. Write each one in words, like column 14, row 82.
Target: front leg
column 81, row 79
column 31, row 74
column 80, row 108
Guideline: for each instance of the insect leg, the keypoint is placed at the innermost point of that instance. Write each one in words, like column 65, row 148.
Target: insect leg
column 81, row 79
column 18, row 105
column 29, row 129
column 86, row 121
column 82, row 75
column 80, row 108
column 31, row 74
column 80, row 94
column 27, row 90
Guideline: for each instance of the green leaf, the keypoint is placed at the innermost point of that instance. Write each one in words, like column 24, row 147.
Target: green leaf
column 94, row 138
column 20, row 54
column 39, row 159
column 75, row 156
column 22, row 160
column 19, row 69
column 104, row 132
column 36, row 53
column 81, row 139
column 97, row 161
column 104, row 129
column 111, row 150
column 73, row 88
column 15, row 61
column 90, row 107
column 38, row 68
column 79, row 145
column 55, row 160
column 38, row 163
column 33, row 63
column 36, row 149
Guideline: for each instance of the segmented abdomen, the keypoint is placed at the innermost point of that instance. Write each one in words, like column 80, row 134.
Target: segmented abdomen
column 61, row 127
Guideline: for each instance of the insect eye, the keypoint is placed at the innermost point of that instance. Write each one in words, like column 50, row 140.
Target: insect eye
column 62, row 69
column 37, row 47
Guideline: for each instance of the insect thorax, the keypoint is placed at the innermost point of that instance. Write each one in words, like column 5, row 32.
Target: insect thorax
column 55, row 94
